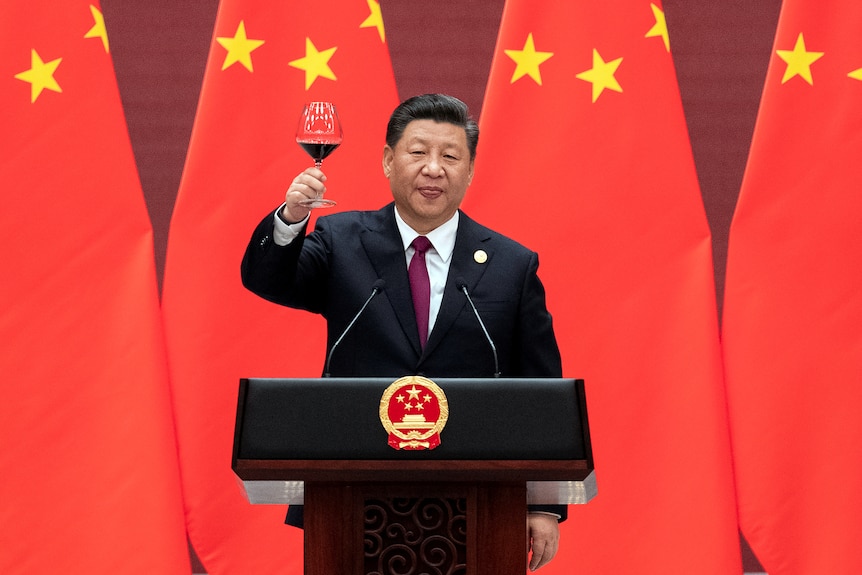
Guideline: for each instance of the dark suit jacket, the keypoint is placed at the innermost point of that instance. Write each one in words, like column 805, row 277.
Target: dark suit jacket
column 332, row 271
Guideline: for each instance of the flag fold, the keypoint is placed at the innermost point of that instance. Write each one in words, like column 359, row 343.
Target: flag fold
column 266, row 60
column 585, row 158
column 792, row 324
column 90, row 481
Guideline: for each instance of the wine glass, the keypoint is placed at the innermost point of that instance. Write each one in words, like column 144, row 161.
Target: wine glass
column 318, row 133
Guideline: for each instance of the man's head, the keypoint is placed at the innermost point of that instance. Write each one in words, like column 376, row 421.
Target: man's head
column 428, row 158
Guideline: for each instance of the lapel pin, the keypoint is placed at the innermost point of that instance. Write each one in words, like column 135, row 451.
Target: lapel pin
column 480, row 256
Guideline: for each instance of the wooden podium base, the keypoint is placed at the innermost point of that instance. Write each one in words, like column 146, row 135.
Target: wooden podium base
column 415, row 529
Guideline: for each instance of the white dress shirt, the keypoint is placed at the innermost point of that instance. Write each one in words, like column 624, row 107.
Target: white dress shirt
column 437, row 258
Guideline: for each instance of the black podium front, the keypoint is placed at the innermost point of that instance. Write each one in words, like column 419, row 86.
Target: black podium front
column 380, row 502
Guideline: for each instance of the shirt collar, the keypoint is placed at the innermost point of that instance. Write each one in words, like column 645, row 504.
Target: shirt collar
column 442, row 237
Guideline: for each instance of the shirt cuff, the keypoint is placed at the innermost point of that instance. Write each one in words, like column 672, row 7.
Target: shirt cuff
column 283, row 233
column 558, row 516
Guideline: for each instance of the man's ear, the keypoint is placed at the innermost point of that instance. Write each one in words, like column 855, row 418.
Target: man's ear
column 387, row 160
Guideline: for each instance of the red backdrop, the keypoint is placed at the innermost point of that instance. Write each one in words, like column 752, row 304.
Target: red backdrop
column 720, row 50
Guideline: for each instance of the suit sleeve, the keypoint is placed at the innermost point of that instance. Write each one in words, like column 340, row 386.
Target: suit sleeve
column 539, row 354
column 267, row 269
column 287, row 275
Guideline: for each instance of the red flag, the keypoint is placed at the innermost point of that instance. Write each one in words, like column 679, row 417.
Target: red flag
column 90, row 481
column 584, row 157
column 267, row 59
column 792, row 325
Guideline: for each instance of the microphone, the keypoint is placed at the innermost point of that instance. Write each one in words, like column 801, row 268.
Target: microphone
column 462, row 285
column 375, row 289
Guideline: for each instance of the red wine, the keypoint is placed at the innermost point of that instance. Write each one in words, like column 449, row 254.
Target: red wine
column 318, row 150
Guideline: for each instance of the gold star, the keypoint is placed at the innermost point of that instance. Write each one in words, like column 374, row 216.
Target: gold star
column 40, row 75
column 413, row 392
column 375, row 19
column 528, row 61
column 798, row 61
column 601, row 75
column 239, row 48
column 660, row 27
column 98, row 30
column 315, row 63
column 856, row 74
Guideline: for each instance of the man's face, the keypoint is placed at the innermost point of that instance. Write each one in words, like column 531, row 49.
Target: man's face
column 429, row 170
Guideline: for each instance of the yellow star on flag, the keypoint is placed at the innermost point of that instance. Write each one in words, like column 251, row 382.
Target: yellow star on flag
column 601, row 75
column 798, row 61
column 239, row 48
column 856, row 74
column 528, row 61
column 660, row 27
column 40, row 75
column 98, row 30
column 375, row 19
column 315, row 63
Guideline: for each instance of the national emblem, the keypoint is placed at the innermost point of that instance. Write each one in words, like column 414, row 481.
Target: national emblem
column 414, row 410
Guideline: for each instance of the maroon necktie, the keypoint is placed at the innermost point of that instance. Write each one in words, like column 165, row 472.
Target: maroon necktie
column 420, row 286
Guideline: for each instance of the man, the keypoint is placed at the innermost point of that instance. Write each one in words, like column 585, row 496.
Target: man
column 428, row 158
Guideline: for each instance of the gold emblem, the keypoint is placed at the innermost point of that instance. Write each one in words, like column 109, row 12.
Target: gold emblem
column 414, row 411
column 480, row 256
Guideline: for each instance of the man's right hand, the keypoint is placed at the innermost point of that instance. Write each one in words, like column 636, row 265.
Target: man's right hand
column 309, row 184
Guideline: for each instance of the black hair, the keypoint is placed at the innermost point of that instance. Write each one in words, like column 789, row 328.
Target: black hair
column 437, row 107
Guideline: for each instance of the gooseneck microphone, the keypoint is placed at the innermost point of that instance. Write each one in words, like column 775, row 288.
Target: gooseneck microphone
column 462, row 285
column 375, row 289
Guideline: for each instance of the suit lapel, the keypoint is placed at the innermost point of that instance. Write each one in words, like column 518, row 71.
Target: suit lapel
column 470, row 240
column 382, row 243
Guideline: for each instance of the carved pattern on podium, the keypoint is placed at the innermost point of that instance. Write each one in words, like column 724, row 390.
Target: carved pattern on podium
column 405, row 536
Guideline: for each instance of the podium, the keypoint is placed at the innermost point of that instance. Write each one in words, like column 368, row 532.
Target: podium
column 374, row 508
